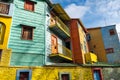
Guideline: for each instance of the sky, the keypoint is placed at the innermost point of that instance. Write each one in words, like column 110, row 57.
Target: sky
column 92, row 13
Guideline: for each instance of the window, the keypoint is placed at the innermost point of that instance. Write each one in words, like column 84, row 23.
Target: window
column 109, row 50
column 0, row 54
column 29, row 5
column 27, row 32
column 2, row 32
column 6, row 0
column 24, row 75
column 97, row 74
column 4, row 8
column 64, row 76
column 112, row 32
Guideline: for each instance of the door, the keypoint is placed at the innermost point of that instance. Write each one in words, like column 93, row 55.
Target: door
column 54, row 44
column 97, row 75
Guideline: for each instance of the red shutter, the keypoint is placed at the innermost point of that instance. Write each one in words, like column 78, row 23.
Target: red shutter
column 29, row 5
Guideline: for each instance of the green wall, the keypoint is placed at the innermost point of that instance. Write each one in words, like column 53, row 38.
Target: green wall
column 28, row 52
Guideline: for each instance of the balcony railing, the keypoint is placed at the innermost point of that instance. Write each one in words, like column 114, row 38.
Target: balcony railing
column 90, row 57
column 62, row 52
column 6, row 8
column 61, row 27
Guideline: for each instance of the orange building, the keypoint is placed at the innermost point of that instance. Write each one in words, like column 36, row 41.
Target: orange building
column 96, row 44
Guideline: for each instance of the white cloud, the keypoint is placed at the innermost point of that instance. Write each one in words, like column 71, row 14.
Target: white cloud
column 76, row 11
column 101, row 12
column 106, row 8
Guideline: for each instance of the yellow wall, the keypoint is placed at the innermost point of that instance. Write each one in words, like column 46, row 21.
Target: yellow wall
column 83, row 41
column 6, row 53
column 5, row 59
column 7, row 22
column 47, row 73
column 96, row 44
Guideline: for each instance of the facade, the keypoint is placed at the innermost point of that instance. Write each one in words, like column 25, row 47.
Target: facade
column 96, row 44
column 27, row 37
column 37, row 42
column 58, row 37
column 105, row 42
column 80, row 48
column 5, row 25
column 111, row 43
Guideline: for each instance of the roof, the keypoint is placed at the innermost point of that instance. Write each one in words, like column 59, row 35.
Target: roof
column 60, row 12
column 80, row 24
column 62, row 65
column 94, row 28
column 82, row 65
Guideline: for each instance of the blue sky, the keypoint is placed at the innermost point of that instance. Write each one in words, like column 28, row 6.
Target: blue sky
column 93, row 13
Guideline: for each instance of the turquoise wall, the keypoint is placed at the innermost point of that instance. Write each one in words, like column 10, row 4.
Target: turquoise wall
column 28, row 52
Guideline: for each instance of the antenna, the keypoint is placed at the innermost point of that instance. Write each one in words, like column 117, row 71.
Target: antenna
column 105, row 21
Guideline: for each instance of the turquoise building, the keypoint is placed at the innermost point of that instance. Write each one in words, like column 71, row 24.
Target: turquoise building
column 27, row 35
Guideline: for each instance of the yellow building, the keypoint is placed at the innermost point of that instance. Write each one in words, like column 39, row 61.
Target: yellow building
column 96, row 44
column 5, row 24
column 46, row 73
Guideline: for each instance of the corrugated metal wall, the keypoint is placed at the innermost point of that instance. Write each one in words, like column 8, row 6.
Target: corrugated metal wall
column 26, row 52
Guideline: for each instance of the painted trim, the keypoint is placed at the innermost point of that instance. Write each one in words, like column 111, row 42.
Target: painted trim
column 100, row 72
column 18, row 73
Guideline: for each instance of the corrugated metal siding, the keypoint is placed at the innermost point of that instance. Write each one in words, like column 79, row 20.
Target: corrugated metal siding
column 31, row 50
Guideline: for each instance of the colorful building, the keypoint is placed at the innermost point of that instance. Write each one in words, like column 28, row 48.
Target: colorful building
column 6, row 12
column 58, row 44
column 27, row 37
column 111, row 43
column 80, row 48
column 96, row 43
column 39, row 41
column 105, row 42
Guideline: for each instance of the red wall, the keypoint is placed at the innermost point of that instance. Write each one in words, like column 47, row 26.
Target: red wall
column 75, row 40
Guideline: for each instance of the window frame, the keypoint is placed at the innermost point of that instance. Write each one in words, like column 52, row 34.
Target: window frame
column 100, row 72
column 112, row 32
column 22, row 32
column 18, row 74
column 30, row 3
column 109, row 50
column 2, row 32
column 60, row 75
column 1, row 54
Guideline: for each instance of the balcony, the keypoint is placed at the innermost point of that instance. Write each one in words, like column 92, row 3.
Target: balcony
column 59, row 28
column 6, row 9
column 90, row 58
column 60, row 53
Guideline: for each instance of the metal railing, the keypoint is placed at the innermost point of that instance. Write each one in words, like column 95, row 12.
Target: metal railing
column 64, row 51
column 4, row 8
column 61, row 25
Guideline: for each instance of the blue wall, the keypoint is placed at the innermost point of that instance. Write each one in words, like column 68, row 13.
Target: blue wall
column 111, row 41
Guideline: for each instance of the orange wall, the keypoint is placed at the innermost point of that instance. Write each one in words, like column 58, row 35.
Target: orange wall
column 96, row 44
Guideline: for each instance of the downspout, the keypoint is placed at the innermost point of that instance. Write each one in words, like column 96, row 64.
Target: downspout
column 44, row 62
